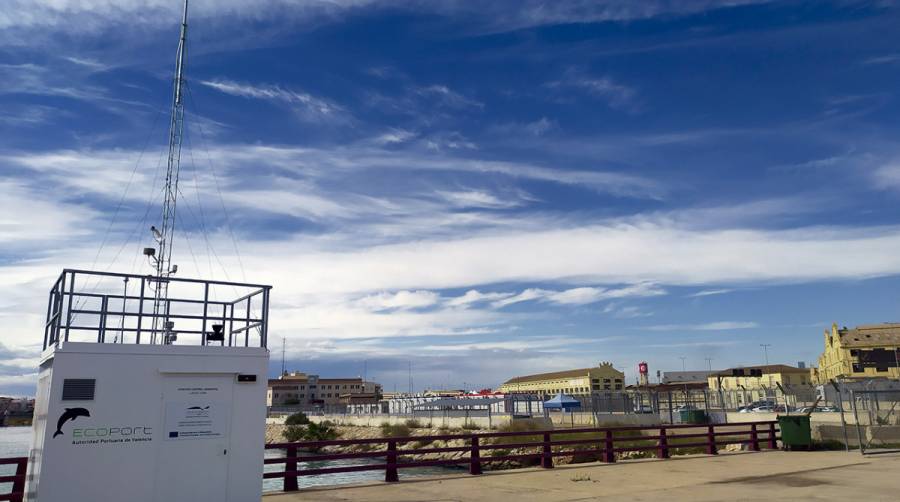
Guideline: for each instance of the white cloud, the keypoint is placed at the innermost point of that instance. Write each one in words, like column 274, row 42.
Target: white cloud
column 112, row 169
column 678, row 345
column 611, row 254
column 887, row 177
column 885, row 59
column 710, row 292
column 626, row 312
column 399, row 300
column 576, row 296
column 617, row 95
column 26, row 379
column 394, row 136
column 474, row 296
column 33, row 79
column 524, row 296
column 29, row 217
column 580, row 296
column 95, row 15
column 480, row 198
column 448, row 97
column 87, row 63
column 527, row 344
column 311, row 107
column 541, row 127
column 710, row 326
column 499, row 17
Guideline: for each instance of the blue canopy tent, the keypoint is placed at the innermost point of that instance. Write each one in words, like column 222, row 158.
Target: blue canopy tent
column 562, row 402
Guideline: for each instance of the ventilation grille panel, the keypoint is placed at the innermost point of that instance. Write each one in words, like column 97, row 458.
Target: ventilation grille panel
column 78, row 389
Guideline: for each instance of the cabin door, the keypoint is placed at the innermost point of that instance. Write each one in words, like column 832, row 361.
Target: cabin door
column 193, row 449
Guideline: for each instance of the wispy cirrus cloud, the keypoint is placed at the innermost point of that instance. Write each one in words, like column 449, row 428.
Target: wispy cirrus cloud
column 474, row 296
column 710, row 292
column 484, row 199
column 882, row 60
column 617, row 96
column 320, row 163
column 399, row 300
column 448, row 97
column 887, row 177
column 618, row 311
column 394, row 136
column 42, row 80
column 309, row 107
column 581, row 295
column 88, row 63
column 709, row 326
column 29, row 216
column 81, row 16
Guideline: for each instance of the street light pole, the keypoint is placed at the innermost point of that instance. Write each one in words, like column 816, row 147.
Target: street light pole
column 682, row 363
column 709, row 363
column 765, row 347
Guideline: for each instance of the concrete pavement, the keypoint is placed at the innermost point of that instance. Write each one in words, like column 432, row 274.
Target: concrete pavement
column 737, row 476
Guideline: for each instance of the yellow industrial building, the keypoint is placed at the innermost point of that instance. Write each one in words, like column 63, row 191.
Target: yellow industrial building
column 603, row 377
column 757, row 382
column 868, row 351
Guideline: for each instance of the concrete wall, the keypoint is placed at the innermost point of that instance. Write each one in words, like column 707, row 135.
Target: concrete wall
column 556, row 419
column 587, row 419
column 831, row 418
column 875, row 437
column 436, row 421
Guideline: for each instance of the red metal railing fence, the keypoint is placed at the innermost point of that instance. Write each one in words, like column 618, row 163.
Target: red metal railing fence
column 18, row 479
column 604, row 442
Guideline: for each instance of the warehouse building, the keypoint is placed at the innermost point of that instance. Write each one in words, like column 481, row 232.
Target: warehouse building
column 868, row 351
column 584, row 381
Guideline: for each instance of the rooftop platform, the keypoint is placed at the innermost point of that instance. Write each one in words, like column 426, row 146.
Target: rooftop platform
column 737, row 476
column 106, row 307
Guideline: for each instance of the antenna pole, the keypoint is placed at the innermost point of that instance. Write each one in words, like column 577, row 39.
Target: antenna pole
column 165, row 235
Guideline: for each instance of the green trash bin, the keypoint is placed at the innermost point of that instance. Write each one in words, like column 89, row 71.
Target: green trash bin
column 693, row 416
column 795, row 432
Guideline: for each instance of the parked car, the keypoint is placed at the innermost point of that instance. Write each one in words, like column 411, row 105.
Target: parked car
column 642, row 408
column 818, row 409
column 755, row 404
column 686, row 407
column 766, row 408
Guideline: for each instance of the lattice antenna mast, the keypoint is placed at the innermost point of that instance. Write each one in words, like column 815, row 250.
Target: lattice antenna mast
column 165, row 235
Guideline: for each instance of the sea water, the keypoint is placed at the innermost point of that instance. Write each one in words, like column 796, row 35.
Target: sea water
column 15, row 442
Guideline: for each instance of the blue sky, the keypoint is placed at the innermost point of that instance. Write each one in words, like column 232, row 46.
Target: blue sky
column 485, row 190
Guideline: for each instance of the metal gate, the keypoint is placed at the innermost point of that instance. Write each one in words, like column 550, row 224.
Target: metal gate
column 877, row 417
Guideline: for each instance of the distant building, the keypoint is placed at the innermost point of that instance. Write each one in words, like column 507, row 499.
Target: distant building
column 443, row 392
column 584, row 381
column 301, row 389
column 869, row 351
column 676, row 377
column 13, row 405
column 759, row 382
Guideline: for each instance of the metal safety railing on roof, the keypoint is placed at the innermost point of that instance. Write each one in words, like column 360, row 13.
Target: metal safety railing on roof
column 106, row 307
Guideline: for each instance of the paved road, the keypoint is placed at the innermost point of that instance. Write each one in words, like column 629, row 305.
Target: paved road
column 738, row 476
